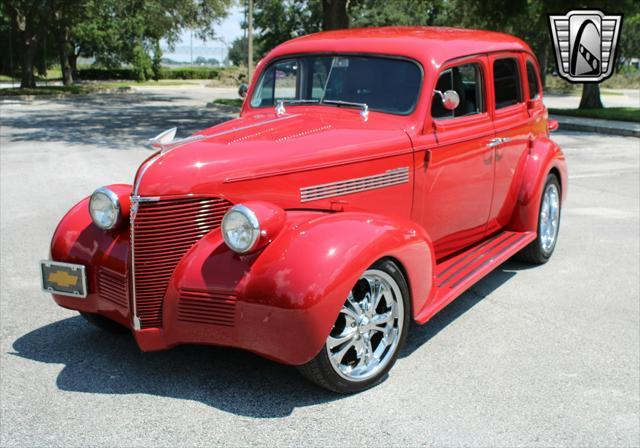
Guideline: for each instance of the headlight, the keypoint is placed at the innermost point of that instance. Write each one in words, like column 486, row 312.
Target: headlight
column 104, row 208
column 240, row 229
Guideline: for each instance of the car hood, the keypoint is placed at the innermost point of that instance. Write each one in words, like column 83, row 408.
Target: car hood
column 266, row 145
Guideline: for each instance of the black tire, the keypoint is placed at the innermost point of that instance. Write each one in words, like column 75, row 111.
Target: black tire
column 104, row 324
column 320, row 370
column 534, row 253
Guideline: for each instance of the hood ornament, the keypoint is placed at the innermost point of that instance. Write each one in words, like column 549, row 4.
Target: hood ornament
column 280, row 110
column 165, row 140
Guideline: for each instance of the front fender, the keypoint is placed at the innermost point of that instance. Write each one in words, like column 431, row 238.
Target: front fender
column 545, row 155
column 78, row 240
column 289, row 294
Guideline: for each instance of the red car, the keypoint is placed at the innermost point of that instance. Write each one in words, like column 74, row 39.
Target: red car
column 372, row 177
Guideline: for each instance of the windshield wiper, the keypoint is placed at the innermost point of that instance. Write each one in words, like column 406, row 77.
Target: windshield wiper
column 299, row 101
column 365, row 108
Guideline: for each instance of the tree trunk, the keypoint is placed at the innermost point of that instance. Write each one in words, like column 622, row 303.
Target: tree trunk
column 590, row 96
column 543, row 60
column 63, row 52
column 73, row 64
column 334, row 14
column 29, row 45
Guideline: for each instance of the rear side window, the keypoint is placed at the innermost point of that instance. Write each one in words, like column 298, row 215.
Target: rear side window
column 506, row 82
column 466, row 80
column 532, row 79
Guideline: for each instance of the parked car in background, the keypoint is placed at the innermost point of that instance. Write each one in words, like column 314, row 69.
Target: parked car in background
column 372, row 177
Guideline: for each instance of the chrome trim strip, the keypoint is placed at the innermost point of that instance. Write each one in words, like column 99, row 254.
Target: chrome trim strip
column 349, row 186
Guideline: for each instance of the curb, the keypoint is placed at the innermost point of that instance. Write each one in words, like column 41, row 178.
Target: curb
column 625, row 129
column 59, row 96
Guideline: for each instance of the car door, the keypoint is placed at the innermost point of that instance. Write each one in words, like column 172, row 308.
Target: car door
column 512, row 126
column 454, row 174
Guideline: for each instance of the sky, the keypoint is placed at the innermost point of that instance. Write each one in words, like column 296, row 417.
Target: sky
column 228, row 30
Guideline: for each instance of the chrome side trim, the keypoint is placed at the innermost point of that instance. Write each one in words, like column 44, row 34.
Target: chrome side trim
column 349, row 186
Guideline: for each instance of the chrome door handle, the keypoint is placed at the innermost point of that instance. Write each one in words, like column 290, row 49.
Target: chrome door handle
column 494, row 142
column 505, row 139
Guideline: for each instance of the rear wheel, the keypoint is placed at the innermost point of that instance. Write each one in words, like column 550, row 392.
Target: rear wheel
column 103, row 323
column 369, row 331
column 540, row 250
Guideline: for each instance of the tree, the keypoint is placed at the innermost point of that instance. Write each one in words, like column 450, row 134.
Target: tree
column 629, row 44
column 238, row 50
column 277, row 21
column 29, row 21
column 334, row 14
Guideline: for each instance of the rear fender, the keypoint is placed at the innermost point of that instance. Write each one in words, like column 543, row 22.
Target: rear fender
column 290, row 293
column 544, row 156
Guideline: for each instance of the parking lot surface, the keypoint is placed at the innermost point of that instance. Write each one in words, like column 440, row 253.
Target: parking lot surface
column 530, row 356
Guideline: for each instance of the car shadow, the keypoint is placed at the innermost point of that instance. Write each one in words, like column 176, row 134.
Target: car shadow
column 232, row 380
column 421, row 334
column 111, row 121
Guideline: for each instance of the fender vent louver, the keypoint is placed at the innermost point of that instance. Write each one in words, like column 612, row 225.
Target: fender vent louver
column 113, row 287
column 206, row 307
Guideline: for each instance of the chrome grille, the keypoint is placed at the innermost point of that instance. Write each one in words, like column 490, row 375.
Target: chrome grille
column 161, row 233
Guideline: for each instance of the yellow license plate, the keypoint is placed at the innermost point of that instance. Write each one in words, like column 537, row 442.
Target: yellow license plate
column 63, row 278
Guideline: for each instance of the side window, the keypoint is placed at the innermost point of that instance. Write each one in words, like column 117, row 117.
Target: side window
column 280, row 83
column 506, row 82
column 466, row 80
column 532, row 79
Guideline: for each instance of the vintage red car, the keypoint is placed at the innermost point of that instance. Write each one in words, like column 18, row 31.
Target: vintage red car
column 372, row 177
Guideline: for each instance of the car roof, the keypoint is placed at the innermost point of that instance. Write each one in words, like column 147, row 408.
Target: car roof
column 432, row 46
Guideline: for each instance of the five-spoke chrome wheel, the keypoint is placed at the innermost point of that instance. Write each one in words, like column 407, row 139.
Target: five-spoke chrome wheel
column 549, row 217
column 367, row 331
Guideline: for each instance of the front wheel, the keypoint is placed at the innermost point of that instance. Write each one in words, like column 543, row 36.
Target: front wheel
column 540, row 250
column 369, row 331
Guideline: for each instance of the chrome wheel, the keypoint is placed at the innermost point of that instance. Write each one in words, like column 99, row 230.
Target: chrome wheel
column 549, row 217
column 367, row 331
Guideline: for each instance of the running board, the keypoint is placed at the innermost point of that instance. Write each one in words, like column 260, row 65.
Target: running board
column 457, row 274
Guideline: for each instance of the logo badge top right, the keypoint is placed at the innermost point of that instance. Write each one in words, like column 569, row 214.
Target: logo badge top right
column 585, row 44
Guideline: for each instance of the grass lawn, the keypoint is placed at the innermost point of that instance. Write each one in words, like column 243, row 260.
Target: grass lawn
column 608, row 113
column 76, row 89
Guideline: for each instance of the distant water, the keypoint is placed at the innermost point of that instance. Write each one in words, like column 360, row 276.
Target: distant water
column 188, row 54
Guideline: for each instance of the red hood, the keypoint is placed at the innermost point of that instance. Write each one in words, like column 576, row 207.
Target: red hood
column 265, row 145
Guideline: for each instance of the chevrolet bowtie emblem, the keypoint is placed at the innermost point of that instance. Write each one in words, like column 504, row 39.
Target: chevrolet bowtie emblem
column 585, row 44
column 62, row 278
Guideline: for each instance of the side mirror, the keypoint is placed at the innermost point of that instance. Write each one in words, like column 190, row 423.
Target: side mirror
column 242, row 90
column 450, row 98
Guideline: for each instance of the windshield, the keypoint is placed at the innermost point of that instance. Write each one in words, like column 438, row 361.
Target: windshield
column 383, row 84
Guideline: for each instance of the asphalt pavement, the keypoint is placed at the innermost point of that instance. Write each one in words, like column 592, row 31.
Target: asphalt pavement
column 530, row 356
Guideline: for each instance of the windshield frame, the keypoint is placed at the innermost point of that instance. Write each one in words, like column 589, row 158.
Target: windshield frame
column 254, row 88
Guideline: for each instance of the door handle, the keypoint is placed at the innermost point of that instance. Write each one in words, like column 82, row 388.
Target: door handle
column 494, row 142
column 498, row 141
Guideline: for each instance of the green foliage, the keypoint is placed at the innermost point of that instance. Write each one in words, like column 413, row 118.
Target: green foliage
column 132, row 73
column 609, row 113
column 280, row 20
column 239, row 49
column 114, row 32
column 630, row 37
column 395, row 12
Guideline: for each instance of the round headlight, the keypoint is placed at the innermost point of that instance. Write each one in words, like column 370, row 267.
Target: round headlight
column 104, row 208
column 240, row 229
